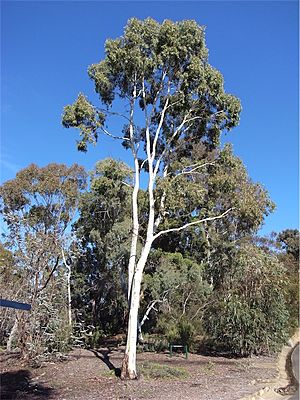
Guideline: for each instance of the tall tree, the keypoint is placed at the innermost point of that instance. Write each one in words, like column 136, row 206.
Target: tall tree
column 104, row 228
column 173, row 100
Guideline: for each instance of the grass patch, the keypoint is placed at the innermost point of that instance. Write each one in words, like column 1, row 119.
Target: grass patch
column 110, row 373
column 209, row 368
column 151, row 370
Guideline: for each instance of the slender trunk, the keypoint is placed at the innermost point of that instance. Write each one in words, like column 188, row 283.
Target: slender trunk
column 129, row 361
column 69, row 296
column 69, row 288
column 135, row 217
column 135, row 227
column 12, row 335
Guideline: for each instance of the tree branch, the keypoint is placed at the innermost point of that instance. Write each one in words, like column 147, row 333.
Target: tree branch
column 149, row 308
column 187, row 171
column 160, row 125
column 191, row 224
column 136, row 188
column 168, row 143
column 105, row 131
column 162, row 203
column 50, row 275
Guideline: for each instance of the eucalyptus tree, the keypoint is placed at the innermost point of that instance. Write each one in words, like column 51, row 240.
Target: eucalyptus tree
column 38, row 207
column 173, row 100
column 103, row 226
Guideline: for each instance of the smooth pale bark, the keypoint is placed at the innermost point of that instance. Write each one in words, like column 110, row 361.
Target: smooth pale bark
column 69, row 297
column 136, row 188
column 12, row 335
column 69, row 288
column 129, row 362
column 135, row 227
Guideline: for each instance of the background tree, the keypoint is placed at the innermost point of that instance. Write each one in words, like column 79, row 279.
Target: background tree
column 38, row 207
column 103, row 227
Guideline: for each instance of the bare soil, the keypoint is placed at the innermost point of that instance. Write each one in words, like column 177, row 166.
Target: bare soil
column 93, row 375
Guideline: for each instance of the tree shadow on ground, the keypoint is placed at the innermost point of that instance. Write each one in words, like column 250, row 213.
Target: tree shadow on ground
column 103, row 355
column 18, row 385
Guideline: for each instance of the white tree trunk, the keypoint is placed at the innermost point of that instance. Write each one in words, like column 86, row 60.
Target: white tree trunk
column 69, row 288
column 12, row 335
column 135, row 227
column 129, row 362
column 69, row 296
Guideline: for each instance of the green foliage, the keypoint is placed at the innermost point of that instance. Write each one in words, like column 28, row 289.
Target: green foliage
column 178, row 332
column 222, row 183
column 51, row 331
column 177, row 284
column 248, row 314
column 170, row 329
column 93, row 341
column 169, row 60
column 82, row 115
column 230, row 186
column 154, row 343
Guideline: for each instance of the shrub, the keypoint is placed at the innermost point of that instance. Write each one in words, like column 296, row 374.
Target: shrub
column 248, row 314
column 186, row 332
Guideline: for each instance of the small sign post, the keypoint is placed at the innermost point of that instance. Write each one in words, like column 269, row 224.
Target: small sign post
column 184, row 347
column 15, row 304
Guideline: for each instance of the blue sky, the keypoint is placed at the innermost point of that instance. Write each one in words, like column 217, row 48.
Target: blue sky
column 46, row 48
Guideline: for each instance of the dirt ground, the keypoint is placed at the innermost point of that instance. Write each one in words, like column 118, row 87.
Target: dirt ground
column 91, row 375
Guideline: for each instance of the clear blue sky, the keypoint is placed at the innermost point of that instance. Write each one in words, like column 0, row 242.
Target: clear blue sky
column 46, row 48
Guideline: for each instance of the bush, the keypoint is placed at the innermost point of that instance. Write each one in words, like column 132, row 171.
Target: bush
column 186, row 332
column 180, row 332
column 248, row 314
